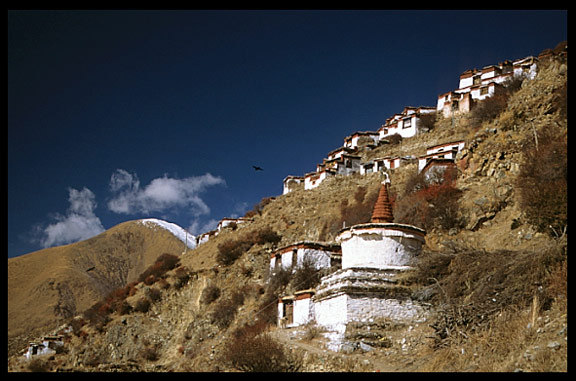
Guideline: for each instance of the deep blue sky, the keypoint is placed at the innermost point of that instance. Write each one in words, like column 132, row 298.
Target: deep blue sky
column 119, row 115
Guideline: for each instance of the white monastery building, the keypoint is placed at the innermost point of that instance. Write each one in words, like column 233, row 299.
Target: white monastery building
column 291, row 183
column 406, row 124
column 477, row 85
column 359, row 139
column 441, row 151
column 319, row 254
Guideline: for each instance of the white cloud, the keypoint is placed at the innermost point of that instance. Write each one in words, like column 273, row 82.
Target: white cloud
column 162, row 194
column 79, row 223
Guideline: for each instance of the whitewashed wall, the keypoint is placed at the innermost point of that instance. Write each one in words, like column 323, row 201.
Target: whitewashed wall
column 446, row 147
column 378, row 248
column 331, row 312
column 320, row 258
column 363, row 308
column 312, row 181
column 334, row 313
column 303, row 311
column 466, row 82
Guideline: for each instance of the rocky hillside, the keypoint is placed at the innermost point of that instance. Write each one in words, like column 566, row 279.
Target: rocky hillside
column 48, row 287
column 493, row 268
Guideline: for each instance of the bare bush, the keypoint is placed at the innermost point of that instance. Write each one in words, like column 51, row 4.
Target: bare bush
column 395, row 138
column 430, row 204
column 38, row 365
column 543, row 180
column 158, row 269
column 210, row 294
column 260, row 354
column 488, row 109
column 150, row 351
column 276, row 286
column 229, row 251
column 360, row 211
column 266, row 235
column 153, row 294
column 307, row 275
column 181, row 277
column 427, row 121
column 258, row 208
column 224, row 313
column 142, row 305
column 472, row 285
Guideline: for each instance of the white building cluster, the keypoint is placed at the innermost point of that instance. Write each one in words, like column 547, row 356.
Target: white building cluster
column 477, row 85
column 474, row 86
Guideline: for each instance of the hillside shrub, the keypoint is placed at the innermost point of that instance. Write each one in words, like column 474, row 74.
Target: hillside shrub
column 358, row 212
column 260, row 354
column 229, row 251
column 115, row 301
column 38, row 365
column 252, row 329
column 543, row 180
column 430, row 204
column 307, row 275
column 276, row 285
column 149, row 351
column 259, row 207
column 124, row 308
column 181, row 277
column 76, row 325
column 427, row 121
column 153, row 294
column 470, row 285
column 266, row 235
column 489, row 108
column 98, row 315
column 394, row 139
column 224, row 312
column 158, row 269
column 210, row 294
column 560, row 101
column 142, row 305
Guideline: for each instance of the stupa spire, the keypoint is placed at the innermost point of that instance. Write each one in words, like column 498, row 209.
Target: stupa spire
column 382, row 212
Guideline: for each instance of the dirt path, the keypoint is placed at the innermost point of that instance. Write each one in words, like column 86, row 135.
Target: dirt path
column 321, row 359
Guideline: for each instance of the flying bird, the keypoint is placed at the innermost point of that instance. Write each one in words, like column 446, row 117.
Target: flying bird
column 257, row 168
column 91, row 268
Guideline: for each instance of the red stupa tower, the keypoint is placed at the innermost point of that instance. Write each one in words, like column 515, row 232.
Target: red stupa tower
column 382, row 212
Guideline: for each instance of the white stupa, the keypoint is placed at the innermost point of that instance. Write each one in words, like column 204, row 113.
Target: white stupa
column 373, row 254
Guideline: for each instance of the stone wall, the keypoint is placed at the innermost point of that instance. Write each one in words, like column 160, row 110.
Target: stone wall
column 364, row 308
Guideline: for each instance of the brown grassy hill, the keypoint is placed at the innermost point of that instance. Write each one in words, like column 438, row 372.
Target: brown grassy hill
column 495, row 273
column 48, row 287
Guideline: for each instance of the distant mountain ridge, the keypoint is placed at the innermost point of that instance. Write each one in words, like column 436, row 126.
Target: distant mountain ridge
column 47, row 287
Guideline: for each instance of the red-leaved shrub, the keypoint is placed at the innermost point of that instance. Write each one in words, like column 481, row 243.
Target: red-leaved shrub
column 430, row 204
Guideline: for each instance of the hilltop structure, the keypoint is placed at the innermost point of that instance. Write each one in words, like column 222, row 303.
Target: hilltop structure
column 474, row 86
column 407, row 124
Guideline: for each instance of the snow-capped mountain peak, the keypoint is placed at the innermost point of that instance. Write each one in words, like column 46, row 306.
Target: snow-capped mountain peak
column 178, row 231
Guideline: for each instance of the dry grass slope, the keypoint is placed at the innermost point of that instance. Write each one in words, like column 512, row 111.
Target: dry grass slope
column 498, row 284
column 46, row 288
